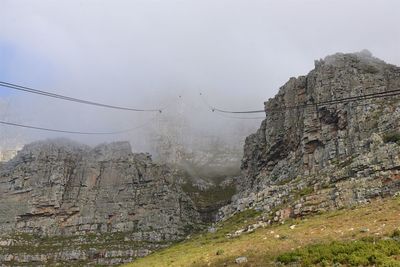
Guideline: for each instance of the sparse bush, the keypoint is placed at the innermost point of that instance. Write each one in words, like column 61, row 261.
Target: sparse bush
column 219, row 252
column 365, row 252
column 305, row 191
column 283, row 237
column 234, row 223
column 396, row 233
column 370, row 69
column 290, row 257
column 393, row 137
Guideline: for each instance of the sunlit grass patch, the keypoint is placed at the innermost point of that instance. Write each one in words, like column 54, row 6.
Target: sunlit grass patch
column 364, row 252
column 263, row 246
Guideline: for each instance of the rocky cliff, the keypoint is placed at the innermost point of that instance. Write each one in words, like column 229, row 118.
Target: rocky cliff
column 109, row 204
column 69, row 204
column 310, row 157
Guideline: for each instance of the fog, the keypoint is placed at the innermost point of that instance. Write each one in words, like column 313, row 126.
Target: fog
column 162, row 54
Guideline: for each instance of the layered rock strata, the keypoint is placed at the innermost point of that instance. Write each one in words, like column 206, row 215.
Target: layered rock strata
column 311, row 156
column 63, row 189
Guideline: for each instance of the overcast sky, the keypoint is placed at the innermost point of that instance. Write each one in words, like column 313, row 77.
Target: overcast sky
column 147, row 53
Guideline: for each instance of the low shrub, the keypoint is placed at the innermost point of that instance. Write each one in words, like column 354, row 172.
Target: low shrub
column 393, row 137
column 364, row 252
column 219, row 252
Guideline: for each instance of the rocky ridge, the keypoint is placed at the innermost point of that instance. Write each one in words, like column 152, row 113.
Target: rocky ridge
column 314, row 158
column 102, row 205
column 107, row 205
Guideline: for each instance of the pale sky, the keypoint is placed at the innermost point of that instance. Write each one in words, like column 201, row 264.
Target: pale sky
column 146, row 53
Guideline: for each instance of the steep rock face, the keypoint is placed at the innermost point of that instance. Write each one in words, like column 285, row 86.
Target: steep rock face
column 311, row 156
column 60, row 188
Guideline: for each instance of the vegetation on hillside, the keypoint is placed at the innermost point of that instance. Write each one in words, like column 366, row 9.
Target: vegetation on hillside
column 392, row 137
column 369, row 251
column 210, row 196
column 215, row 193
column 369, row 237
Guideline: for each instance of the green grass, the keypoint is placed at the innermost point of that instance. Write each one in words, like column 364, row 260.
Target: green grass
column 209, row 201
column 364, row 252
column 305, row 191
column 392, row 137
column 235, row 222
column 210, row 196
column 263, row 246
column 35, row 244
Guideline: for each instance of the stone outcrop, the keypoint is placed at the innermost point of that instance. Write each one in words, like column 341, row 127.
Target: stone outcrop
column 69, row 204
column 309, row 157
column 60, row 188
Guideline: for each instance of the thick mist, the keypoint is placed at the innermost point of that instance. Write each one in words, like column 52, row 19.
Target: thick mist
column 162, row 54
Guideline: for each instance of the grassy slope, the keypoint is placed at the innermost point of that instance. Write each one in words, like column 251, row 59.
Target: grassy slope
column 381, row 218
column 369, row 251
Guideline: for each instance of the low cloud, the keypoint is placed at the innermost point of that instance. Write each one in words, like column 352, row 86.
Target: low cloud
column 151, row 54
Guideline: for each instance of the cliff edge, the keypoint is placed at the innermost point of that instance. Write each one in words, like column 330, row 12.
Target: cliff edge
column 315, row 152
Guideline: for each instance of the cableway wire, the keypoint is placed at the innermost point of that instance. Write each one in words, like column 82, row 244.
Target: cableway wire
column 67, row 98
column 213, row 109
column 319, row 104
column 34, row 127
column 7, row 123
column 240, row 118
column 226, row 116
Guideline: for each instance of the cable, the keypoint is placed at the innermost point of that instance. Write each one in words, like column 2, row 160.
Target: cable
column 240, row 118
column 339, row 101
column 313, row 105
column 225, row 116
column 70, row 132
column 213, row 109
column 67, row 98
column 323, row 103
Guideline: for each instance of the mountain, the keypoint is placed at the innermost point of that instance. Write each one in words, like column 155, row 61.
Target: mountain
column 320, row 179
column 62, row 191
column 327, row 151
column 314, row 152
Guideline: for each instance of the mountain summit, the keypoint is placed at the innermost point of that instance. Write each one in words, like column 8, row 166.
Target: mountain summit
column 330, row 140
